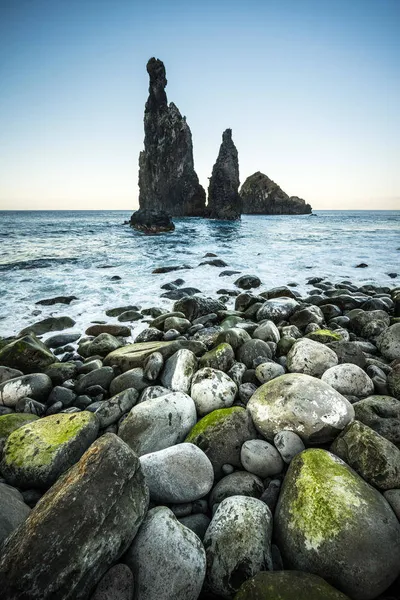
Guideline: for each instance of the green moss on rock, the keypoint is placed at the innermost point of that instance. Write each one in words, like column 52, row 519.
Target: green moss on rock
column 28, row 354
column 324, row 336
column 213, row 419
column 11, row 422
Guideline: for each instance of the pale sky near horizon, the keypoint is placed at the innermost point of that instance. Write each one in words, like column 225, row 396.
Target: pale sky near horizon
column 310, row 88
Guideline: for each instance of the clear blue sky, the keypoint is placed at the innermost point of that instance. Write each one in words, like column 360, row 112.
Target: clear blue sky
column 310, row 88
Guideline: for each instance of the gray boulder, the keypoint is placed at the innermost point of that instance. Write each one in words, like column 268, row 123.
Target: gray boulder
column 179, row 370
column 238, row 483
column 36, row 386
column 111, row 410
column 349, row 380
column 389, row 342
column 13, row 510
column 277, row 309
column 261, row 458
column 382, row 414
column 116, row 584
column 310, row 358
column 212, row 389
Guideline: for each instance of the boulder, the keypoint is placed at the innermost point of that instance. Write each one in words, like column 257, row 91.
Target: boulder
column 238, row 483
column 277, row 309
column 330, row 522
column 237, row 544
column 269, row 370
column 11, row 422
column 382, row 414
column 7, row 373
column 36, row 454
column 252, row 350
column 167, row 559
column 179, row 370
column 112, row 409
column 181, row 473
column 151, row 221
column 167, row 179
column 110, row 328
column 135, row 355
column 36, row 386
column 300, row 403
column 262, row 196
column 261, row 458
column 224, row 201
column 79, row 528
column 28, row 354
column 221, row 358
column 116, row 584
column 349, row 380
column 212, row 389
column 372, row 456
column 158, row 423
column 247, row 282
column 389, row 342
column 310, row 358
column 47, row 325
column 197, row 306
column 221, row 433
column 13, row 511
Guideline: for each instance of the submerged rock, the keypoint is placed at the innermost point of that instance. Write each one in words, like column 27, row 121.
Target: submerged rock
column 167, row 179
column 330, row 522
column 262, row 196
column 151, row 221
column 80, row 527
column 224, row 201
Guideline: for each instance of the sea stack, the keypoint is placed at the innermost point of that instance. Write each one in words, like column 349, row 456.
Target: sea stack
column 224, row 201
column 167, row 179
column 262, row 196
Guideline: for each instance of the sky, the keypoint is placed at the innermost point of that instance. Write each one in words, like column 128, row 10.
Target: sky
column 310, row 88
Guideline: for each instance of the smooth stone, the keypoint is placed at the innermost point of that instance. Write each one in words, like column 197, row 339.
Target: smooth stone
column 13, row 511
column 27, row 354
column 288, row 445
column 211, row 390
column 237, row 543
column 196, row 306
column 116, row 584
column 287, row 585
column 7, row 373
column 61, row 394
column 179, row 370
column 245, row 392
column 135, row 355
column 261, row 458
column 62, row 339
column 267, row 332
column 111, row 410
column 349, row 352
column 234, row 336
column 310, row 358
column 330, row 522
column 198, row 523
column 372, row 456
column 158, row 423
column 304, row 316
column 153, row 391
column 167, row 559
column 153, row 367
column 269, row 370
column 47, row 325
column 222, row 358
column 393, row 497
column 134, row 378
column 81, row 526
column 36, row 454
column 300, row 403
column 181, row 473
column 109, row 328
column 118, row 310
column 130, row 315
column 151, row 334
column 60, row 372
column 177, row 323
column 277, row 309
column 36, row 386
column 382, row 414
column 271, row 494
column 238, row 483
column 102, row 376
column 102, row 345
column 349, row 380
column 221, row 434
column 389, row 342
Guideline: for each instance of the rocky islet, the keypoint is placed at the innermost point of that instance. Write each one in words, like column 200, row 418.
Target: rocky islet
column 279, row 421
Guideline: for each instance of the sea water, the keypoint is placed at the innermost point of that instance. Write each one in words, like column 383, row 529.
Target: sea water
column 76, row 253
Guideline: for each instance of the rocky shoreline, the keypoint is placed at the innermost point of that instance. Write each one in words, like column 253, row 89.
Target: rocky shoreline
column 248, row 453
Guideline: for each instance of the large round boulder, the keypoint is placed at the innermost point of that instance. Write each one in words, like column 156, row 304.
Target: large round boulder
column 36, row 386
column 389, row 342
column 349, row 380
column 300, row 403
column 330, row 522
column 382, row 414
column 212, row 389
column 277, row 309
column 310, row 358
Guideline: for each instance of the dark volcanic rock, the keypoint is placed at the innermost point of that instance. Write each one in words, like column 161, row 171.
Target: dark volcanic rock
column 80, row 527
column 262, row 196
column 167, row 179
column 224, row 201
column 151, row 221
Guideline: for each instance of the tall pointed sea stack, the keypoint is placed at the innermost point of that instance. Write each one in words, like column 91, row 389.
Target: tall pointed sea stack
column 224, row 201
column 167, row 179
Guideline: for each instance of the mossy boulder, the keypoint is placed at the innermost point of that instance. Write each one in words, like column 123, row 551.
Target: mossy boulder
column 80, row 527
column 324, row 336
column 222, row 358
column 35, row 455
column 220, row 435
column 382, row 414
column 373, row 457
column 28, row 354
column 287, row 585
column 11, row 422
column 332, row 523
column 60, row 372
column 102, row 345
column 300, row 403
column 136, row 355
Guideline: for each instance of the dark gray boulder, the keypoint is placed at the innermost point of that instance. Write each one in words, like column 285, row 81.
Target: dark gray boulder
column 167, row 179
column 151, row 221
column 262, row 196
column 224, row 201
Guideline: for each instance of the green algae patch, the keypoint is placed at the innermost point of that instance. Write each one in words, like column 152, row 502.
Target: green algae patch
column 36, row 453
column 28, row 354
column 213, row 419
column 324, row 336
column 324, row 497
column 221, row 357
column 11, row 422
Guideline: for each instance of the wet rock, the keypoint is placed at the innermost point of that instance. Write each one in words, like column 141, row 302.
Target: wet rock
column 194, row 307
column 285, row 404
column 372, row 456
column 13, row 511
column 158, row 423
column 247, row 282
column 222, row 358
column 211, row 390
column 36, row 454
column 36, row 386
column 167, row 559
column 349, row 380
column 111, row 410
column 135, row 355
column 310, row 358
column 348, row 352
column 62, row 339
column 111, row 329
column 60, row 373
column 389, row 342
column 7, row 373
column 104, row 494
column 331, row 522
column 393, row 381
column 167, row 179
column 262, row 196
column 151, row 334
column 102, row 377
column 118, row 310
column 239, row 483
column 47, row 325
column 61, row 394
column 288, row 445
column 261, row 458
column 102, row 345
column 181, row 473
column 277, row 309
column 224, row 201
column 268, row 332
column 310, row 314
column 130, row 315
column 56, row 300
column 179, row 370
column 27, row 354
column 221, row 433
column 151, row 221
column 252, row 350
column 237, row 543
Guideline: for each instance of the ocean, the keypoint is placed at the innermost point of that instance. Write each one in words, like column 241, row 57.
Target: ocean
column 77, row 253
